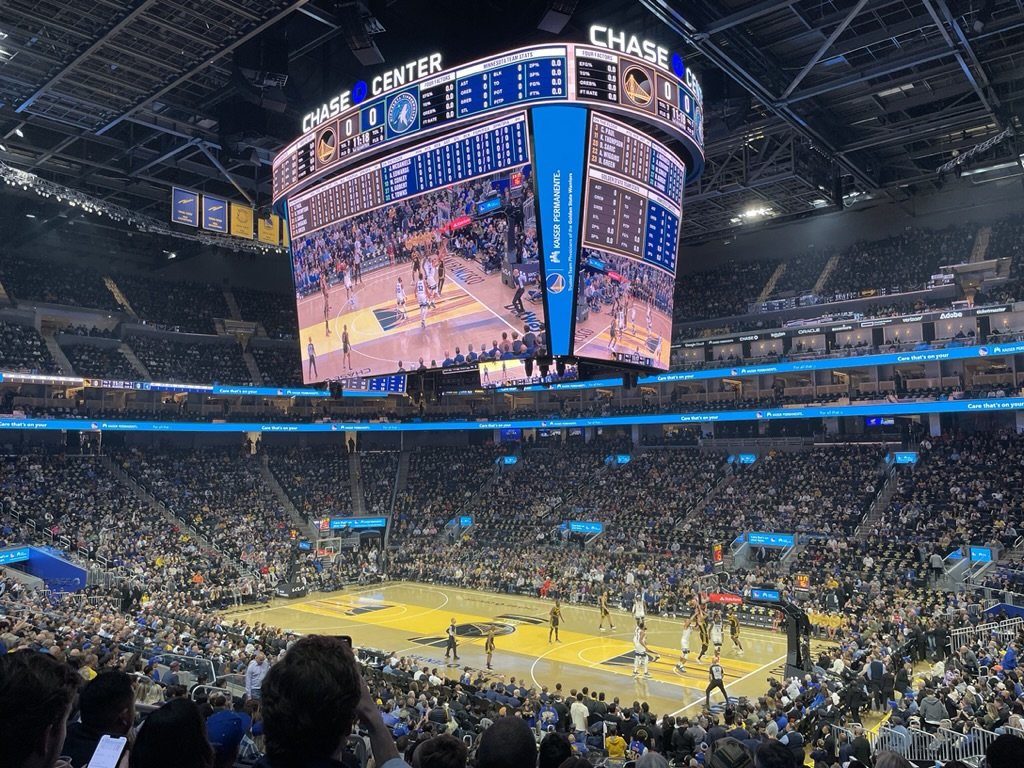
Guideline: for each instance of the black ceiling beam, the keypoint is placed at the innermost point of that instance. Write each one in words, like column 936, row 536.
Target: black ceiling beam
column 191, row 72
column 747, row 14
column 825, row 46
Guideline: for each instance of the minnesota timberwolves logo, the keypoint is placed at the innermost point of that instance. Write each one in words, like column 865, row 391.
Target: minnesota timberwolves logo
column 326, row 145
column 402, row 113
column 556, row 284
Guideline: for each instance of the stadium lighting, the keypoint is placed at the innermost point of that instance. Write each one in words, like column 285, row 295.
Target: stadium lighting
column 3, row 148
column 30, row 215
column 19, row 133
column 756, row 213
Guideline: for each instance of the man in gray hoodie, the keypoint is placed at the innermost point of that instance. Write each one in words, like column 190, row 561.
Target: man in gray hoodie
column 931, row 709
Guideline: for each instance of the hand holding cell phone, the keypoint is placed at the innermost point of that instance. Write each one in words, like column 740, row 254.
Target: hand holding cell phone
column 108, row 752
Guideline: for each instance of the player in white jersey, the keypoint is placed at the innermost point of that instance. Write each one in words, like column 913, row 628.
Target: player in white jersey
column 717, row 633
column 632, row 316
column 430, row 269
column 639, row 609
column 421, row 297
column 641, row 653
column 650, row 320
column 684, row 646
column 400, row 301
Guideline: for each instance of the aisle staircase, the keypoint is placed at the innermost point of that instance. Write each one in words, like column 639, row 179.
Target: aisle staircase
column 879, row 505
column 981, row 242
column 355, row 473
column 137, row 364
column 58, row 354
column 826, row 273
column 254, row 370
column 282, row 497
column 769, row 287
column 119, row 297
column 401, row 479
column 229, row 298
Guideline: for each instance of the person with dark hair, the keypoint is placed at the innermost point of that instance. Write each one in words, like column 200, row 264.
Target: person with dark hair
column 106, row 707
column 508, row 743
column 310, row 700
column 442, row 751
column 36, row 695
column 225, row 730
column 774, row 755
column 1006, row 751
column 553, row 751
column 172, row 737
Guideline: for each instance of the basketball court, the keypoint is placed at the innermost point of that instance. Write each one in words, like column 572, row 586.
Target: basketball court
column 593, row 335
column 410, row 620
column 473, row 308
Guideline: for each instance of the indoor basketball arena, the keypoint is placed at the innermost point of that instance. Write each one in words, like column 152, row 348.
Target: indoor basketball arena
column 549, row 384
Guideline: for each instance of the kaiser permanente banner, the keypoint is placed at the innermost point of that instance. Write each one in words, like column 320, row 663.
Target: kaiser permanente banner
column 559, row 139
column 887, row 409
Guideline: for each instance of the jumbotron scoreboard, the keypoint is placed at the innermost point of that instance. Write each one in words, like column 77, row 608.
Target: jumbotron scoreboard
column 547, row 182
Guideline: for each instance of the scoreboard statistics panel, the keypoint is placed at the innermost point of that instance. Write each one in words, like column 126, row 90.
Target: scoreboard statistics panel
column 398, row 264
column 632, row 214
column 556, row 74
column 493, row 207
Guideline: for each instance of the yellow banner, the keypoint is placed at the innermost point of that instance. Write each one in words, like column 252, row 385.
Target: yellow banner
column 269, row 230
column 241, row 221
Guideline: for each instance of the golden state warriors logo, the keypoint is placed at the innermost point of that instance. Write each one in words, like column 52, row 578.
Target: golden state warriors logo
column 637, row 86
column 556, row 284
column 326, row 145
column 403, row 112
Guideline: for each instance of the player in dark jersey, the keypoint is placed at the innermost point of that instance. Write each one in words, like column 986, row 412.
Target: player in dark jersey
column 734, row 632
column 605, row 613
column 555, row 617
column 346, row 348
column 489, row 645
column 327, row 302
column 704, row 630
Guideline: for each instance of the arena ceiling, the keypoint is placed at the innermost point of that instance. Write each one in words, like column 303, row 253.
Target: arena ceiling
column 807, row 101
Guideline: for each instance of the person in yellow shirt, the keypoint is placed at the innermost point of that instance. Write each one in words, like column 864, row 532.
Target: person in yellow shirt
column 615, row 744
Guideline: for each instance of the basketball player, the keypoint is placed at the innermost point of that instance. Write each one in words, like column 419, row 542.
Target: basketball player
column 489, row 645
column 639, row 608
column 400, row 301
column 684, row 646
column 605, row 613
column 346, row 348
column 555, row 617
column 632, row 316
column 452, row 648
column 705, row 638
column 440, row 273
column 327, row 302
column 641, row 653
column 716, row 679
column 717, row 633
column 347, row 277
column 734, row 632
column 421, row 297
column 650, row 320
column 611, row 336
column 620, row 315
column 311, row 352
column 431, row 273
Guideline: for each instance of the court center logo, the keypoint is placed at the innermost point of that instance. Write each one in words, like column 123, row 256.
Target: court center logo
column 468, row 631
column 556, row 284
column 326, row 145
column 402, row 113
column 637, row 86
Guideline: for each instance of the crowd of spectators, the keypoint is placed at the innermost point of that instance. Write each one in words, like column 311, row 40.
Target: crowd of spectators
column 187, row 362
column 100, row 362
column 726, row 290
column 317, row 480
column 23, row 349
column 30, row 280
column 378, row 473
column 279, row 366
column 186, row 307
column 274, row 311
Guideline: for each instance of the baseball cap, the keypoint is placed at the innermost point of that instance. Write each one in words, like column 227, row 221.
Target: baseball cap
column 729, row 753
column 225, row 730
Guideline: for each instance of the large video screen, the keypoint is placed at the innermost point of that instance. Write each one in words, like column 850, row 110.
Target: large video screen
column 423, row 257
column 630, row 233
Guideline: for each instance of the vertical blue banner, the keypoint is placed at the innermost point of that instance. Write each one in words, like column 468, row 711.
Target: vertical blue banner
column 559, row 142
column 215, row 214
column 184, row 207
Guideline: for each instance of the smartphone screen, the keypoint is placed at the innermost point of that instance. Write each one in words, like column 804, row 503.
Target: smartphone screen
column 108, row 752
